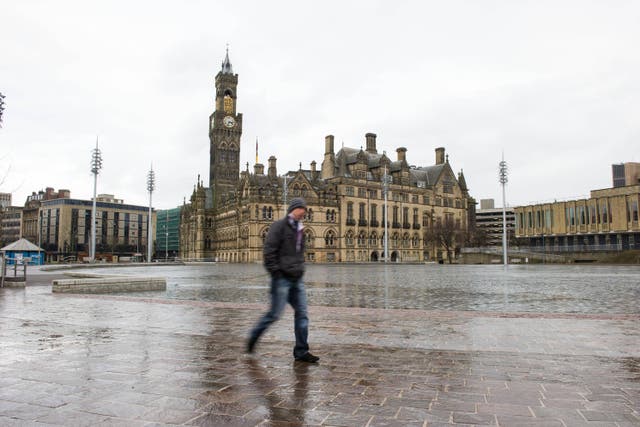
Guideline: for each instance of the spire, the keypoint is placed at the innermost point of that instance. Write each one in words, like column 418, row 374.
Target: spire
column 461, row 181
column 226, row 64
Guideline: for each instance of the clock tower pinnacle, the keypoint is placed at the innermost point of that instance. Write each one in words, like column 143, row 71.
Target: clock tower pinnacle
column 225, row 130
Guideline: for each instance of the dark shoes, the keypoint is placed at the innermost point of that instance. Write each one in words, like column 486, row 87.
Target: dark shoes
column 251, row 344
column 308, row 358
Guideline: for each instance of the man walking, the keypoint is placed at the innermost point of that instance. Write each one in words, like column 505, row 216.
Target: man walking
column 284, row 260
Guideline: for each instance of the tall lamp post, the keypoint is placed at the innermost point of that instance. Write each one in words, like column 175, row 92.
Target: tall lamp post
column 96, row 165
column 151, row 185
column 385, row 189
column 503, row 181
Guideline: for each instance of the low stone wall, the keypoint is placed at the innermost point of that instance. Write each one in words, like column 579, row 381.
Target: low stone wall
column 107, row 284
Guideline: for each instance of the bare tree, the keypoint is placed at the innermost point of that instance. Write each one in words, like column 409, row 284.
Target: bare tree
column 447, row 234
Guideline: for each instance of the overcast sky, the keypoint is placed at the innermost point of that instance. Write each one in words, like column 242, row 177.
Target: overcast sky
column 555, row 85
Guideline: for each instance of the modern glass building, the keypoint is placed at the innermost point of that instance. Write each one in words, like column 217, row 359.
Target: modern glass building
column 168, row 234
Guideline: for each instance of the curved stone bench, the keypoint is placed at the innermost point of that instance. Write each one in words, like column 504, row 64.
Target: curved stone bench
column 107, row 284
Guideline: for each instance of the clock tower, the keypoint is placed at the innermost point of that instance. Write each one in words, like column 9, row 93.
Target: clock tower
column 225, row 129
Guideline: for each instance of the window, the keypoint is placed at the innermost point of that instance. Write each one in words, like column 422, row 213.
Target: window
column 604, row 212
column 425, row 200
column 349, row 210
column 308, row 238
column 349, row 238
column 374, row 209
column 331, row 215
column 425, row 219
column 348, row 191
column 330, row 239
column 362, row 239
column 308, row 215
column 362, row 193
column 373, row 194
column 632, row 210
column 362, row 211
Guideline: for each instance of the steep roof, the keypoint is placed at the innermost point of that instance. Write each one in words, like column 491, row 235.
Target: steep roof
column 22, row 245
column 427, row 174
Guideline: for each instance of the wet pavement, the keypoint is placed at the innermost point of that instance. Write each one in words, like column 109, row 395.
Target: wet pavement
column 527, row 348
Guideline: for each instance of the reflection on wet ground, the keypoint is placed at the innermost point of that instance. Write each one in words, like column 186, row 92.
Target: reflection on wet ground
column 455, row 357
column 528, row 288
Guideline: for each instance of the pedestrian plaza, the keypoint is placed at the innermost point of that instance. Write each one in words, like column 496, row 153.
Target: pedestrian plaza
column 146, row 360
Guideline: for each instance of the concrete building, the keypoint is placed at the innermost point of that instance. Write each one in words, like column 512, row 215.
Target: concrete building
column 65, row 228
column 625, row 174
column 607, row 220
column 10, row 224
column 489, row 222
column 5, row 200
column 228, row 219
column 31, row 211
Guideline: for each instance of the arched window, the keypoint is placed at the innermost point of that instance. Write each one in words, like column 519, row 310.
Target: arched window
column 394, row 240
column 270, row 213
column 416, row 241
column 330, row 239
column 257, row 212
column 228, row 104
column 405, row 240
column 349, row 238
column 308, row 238
column 373, row 240
column 362, row 239
column 263, row 235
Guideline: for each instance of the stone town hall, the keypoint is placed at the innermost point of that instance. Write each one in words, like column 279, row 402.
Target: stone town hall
column 228, row 220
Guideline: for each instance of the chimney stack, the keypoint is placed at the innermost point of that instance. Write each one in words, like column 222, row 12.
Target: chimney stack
column 272, row 172
column 313, row 167
column 328, row 144
column 371, row 143
column 402, row 154
column 329, row 163
column 439, row 155
column 258, row 169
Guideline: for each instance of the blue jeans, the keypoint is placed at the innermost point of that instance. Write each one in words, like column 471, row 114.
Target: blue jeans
column 285, row 290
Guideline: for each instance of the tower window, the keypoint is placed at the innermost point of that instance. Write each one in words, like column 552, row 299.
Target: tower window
column 228, row 104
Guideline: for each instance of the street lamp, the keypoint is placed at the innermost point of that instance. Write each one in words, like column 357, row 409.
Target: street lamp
column 385, row 189
column 503, row 181
column 151, row 185
column 96, row 165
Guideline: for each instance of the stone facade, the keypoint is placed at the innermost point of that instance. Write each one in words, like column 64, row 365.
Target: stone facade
column 229, row 219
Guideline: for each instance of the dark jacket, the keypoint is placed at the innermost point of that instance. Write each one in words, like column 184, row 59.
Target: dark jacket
column 280, row 255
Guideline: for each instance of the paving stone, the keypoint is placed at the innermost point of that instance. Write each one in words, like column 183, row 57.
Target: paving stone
column 132, row 361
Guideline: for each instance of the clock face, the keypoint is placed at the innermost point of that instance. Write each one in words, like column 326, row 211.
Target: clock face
column 228, row 121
